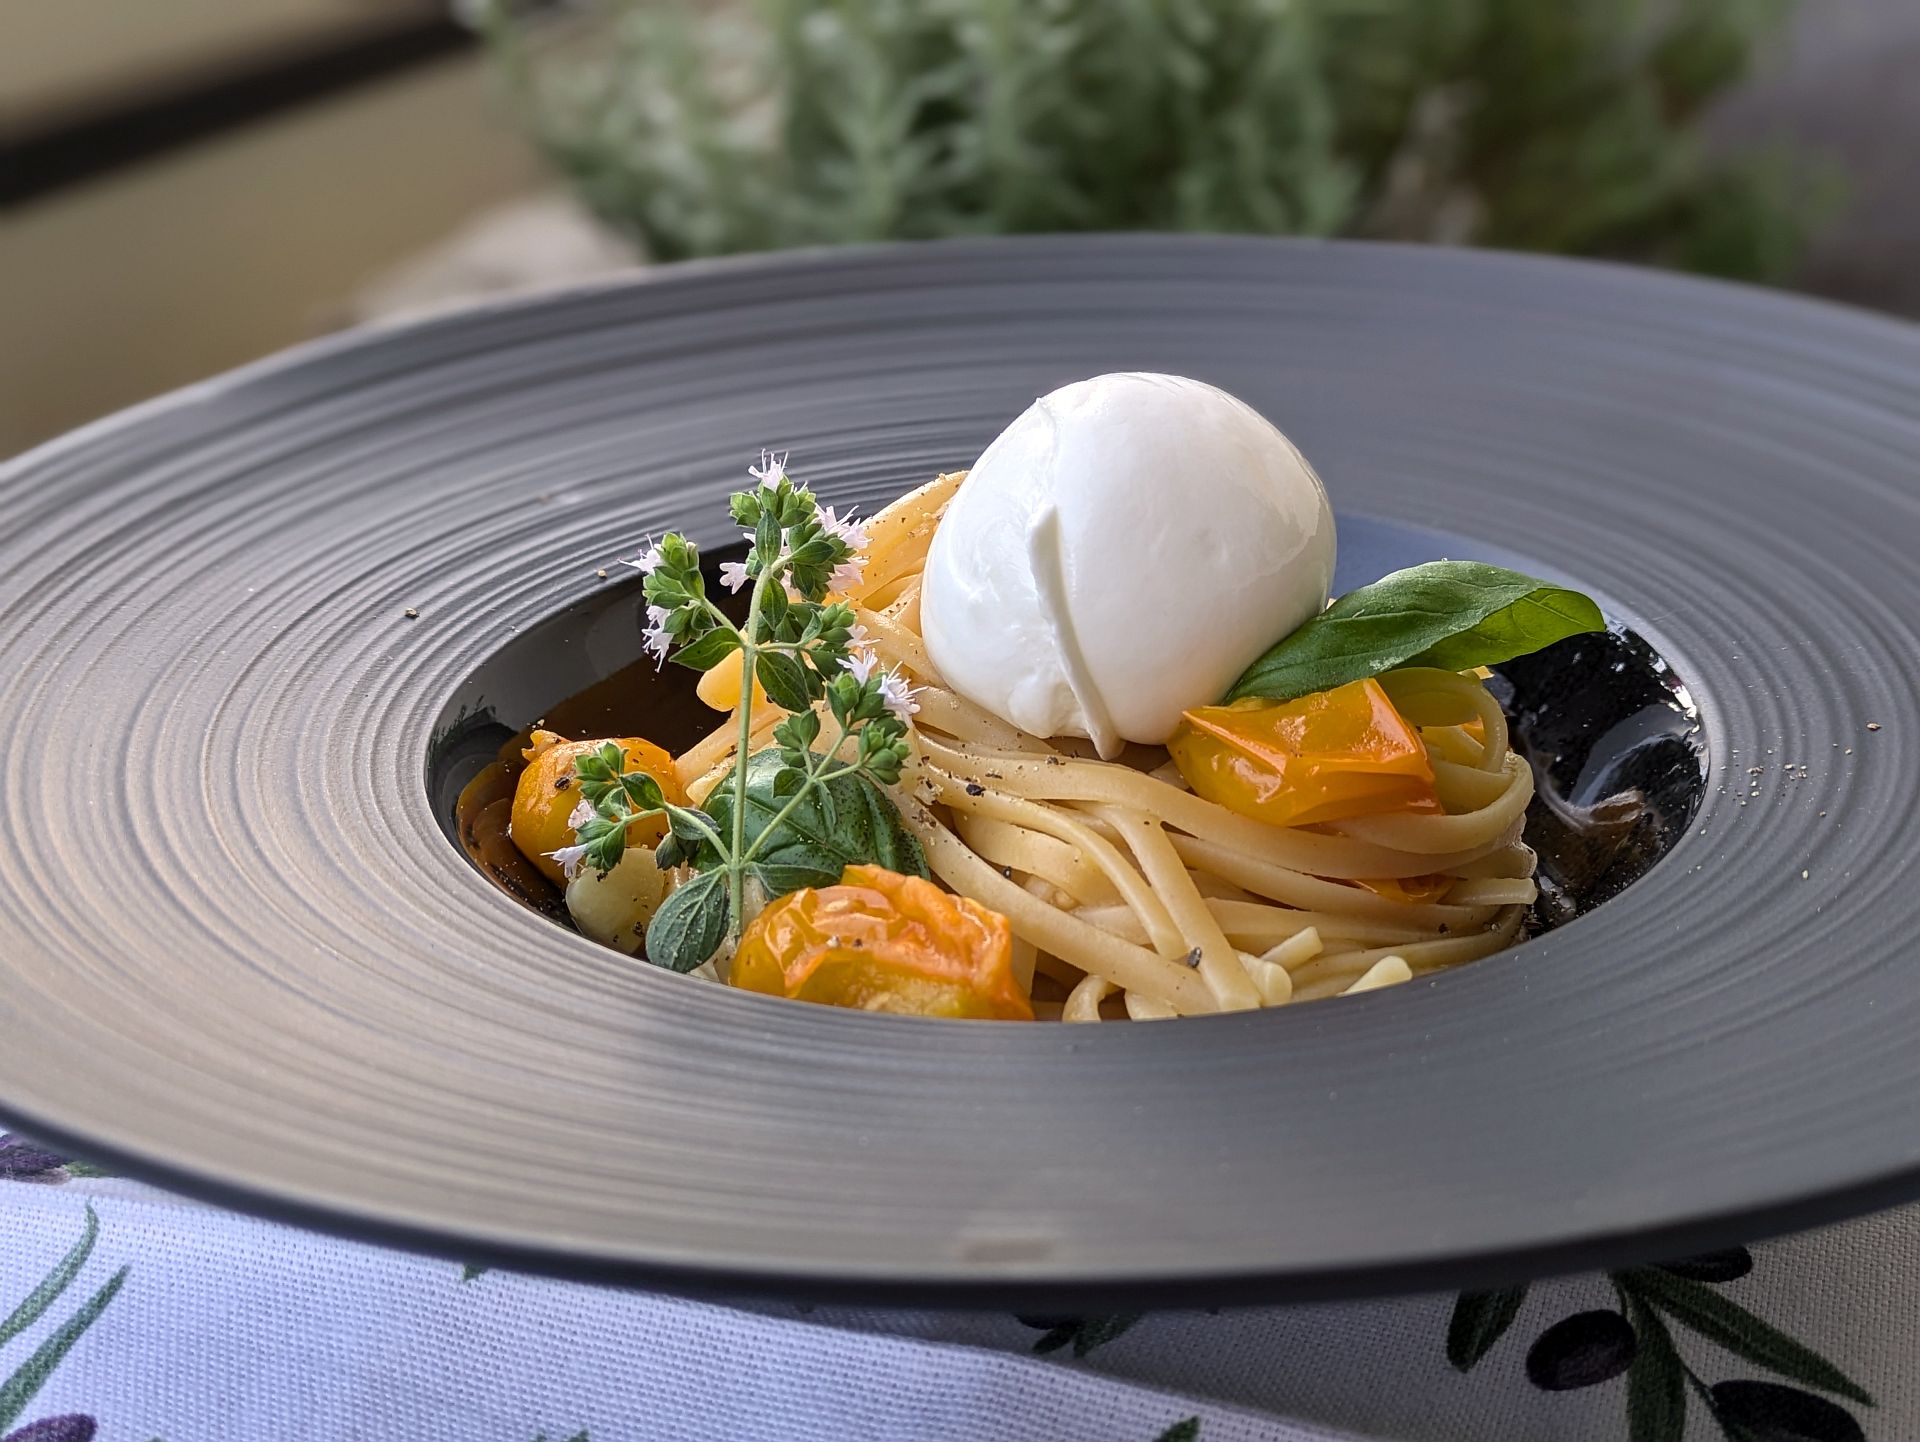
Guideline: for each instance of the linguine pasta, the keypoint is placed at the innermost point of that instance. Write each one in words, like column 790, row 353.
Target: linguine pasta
column 1130, row 896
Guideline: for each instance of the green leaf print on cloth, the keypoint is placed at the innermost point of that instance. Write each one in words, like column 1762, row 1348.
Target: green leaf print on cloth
column 1084, row 1334
column 31, row 1375
column 1638, row 1340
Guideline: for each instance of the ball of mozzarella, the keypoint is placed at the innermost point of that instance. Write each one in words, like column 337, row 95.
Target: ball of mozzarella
column 1121, row 553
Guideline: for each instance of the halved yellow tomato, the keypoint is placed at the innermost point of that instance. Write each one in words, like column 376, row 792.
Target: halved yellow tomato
column 880, row 941
column 546, row 795
column 1324, row 757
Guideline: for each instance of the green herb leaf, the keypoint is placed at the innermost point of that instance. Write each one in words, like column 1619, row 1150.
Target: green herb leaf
column 1449, row 614
column 836, row 824
column 688, row 827
column 1732, row 1326
column 1479, row 1320
column 643, row 791
column 799, row 731
column 690, row 924
column 605, row 840
column 784, row 679
column 773, row 606
column 709, row 651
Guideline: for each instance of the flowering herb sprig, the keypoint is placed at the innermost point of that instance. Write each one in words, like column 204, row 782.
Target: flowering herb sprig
column 791, row 815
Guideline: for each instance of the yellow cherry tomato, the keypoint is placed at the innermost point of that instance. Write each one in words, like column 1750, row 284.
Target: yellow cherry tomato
column 1324, row 757
column 880, row 941
column 546, row 794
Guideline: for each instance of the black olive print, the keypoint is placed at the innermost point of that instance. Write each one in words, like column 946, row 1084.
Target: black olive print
column 1723, row 1266
column 1772, row 1412
column 1581, row 1351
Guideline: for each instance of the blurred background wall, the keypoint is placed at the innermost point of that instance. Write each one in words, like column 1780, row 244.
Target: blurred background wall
column 190, row 184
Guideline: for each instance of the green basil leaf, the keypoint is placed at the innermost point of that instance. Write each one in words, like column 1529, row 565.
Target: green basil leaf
column 1453, row 615
column 836, row 824
column 690, row 924
column 784, row 679
column 783, row 877
column 709, row 651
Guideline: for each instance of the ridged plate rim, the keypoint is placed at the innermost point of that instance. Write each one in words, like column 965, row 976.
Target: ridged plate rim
column 1722, row 386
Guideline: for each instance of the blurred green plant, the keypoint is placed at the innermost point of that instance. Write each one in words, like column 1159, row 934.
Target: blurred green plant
column 704, row 127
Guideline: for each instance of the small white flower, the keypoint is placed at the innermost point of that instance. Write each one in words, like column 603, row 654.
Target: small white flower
column 857, row 636
column 845, row 576
column 570, row 858
column 648, row 561
column 733, row 574
column 859, row 663
column 655, row 635
column 580, row 815
column 772, row 469
column 853, row 532
column 898, row 695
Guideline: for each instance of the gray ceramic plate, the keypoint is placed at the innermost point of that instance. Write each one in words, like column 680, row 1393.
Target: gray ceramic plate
column 238, row 953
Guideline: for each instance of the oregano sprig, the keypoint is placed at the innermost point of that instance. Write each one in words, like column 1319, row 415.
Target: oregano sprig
column 794, row 814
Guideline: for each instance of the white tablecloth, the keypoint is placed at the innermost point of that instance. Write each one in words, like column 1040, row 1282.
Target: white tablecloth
column 130, row 1315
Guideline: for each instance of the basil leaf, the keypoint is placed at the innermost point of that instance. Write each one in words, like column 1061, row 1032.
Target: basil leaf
column 779, row 879
column 709, row 651
column 836, row 824
column 690, row 924
column 1453, row 615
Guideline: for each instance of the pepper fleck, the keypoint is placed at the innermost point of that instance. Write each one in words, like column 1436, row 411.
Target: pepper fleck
column 974, row 788
column 411, row 614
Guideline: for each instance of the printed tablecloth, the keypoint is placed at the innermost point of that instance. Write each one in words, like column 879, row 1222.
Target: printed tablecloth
column 128, row 1314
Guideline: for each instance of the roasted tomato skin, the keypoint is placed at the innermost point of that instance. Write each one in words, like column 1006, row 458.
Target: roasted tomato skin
column 880, row 941
column 1324, row 757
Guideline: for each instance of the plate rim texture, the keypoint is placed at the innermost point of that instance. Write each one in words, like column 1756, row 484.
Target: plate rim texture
column 240, row 958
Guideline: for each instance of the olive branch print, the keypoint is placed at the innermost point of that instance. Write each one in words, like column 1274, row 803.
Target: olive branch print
column 1637, row 1339
column 1083, row 1334
column 31, row 1375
